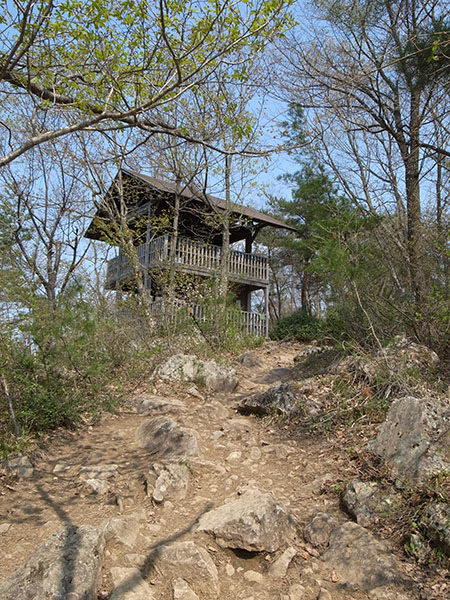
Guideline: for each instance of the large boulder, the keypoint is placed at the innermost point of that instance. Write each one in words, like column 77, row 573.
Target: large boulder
column 402, row 355
column 190, row 562
column 65, row 565
column 256, row 521
column 280, row 399
column 361, row 560
column 183, row 367
column 415, row 438
column 166, row 439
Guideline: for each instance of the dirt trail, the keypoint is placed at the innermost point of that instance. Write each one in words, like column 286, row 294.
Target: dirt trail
column 237, row 451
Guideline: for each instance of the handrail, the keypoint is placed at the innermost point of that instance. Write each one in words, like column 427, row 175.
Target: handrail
column 192, row 255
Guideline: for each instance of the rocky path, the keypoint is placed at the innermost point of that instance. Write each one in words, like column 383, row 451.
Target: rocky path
column 180, row 496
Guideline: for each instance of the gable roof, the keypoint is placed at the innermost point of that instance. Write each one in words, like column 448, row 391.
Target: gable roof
column 169, row 187
column 150, row 186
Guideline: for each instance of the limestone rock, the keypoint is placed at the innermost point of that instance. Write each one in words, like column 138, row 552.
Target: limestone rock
column 279, row 568
column 166, row 439
column 319, row 529
column 98, row 471
column 20, row 466
column 214, row 377
column 418, row 548
column 190, row 562
column 256, row 521
column 402, row 355
column 361, row 560
column 415, row 438
column 129, row 585
column 66, row 565
column 123, row 530
column 280, row 399
column 437, row 524
column 172, row 482
column 158, row 405
column 97, row 486
column 253, row 576
column 249, row 359
column 297, row 592
column 366, row 502
column 182, row 591
column 311, row 350
column 4, row 527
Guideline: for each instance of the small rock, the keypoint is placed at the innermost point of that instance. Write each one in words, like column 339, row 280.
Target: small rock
column 190, row 562
column 172, row 482
column 297, row 592
column 277, row 400
column 234, row 456
column 229, row 570
column 123, row 530
column 253, row 576
column 309, row 351
column 158, row 405
column 324, row 595
column 129, row 585
column 366, row 501
column 60, row 468
column 98, row 471
column 4, row 527
column 318, row 531
column 279, row 568
column 249, row 360
column 418, row 548
column 255, row 453
column 20, row 466
column 437, row 525
column 97, row 486
column 193, row 391
column 182, row 591
column 166, row 439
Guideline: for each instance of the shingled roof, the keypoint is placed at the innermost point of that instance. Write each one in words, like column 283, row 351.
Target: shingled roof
column 187, row 192
column 149, row 187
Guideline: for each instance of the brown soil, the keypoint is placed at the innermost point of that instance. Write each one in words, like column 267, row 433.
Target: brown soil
column 304, row 471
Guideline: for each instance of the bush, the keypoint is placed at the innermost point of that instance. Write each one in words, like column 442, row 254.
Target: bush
column 62, row 362
column 299, row 326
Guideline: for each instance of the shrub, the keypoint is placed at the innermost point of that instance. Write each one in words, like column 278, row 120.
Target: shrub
column 300, row 326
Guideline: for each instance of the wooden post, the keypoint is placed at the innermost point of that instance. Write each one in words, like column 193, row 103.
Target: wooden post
column 266, row 306
column 147, row 278
column 248, row 243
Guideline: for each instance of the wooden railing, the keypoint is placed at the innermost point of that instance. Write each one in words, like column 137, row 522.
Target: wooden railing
column 248, row 322
column 194, row 256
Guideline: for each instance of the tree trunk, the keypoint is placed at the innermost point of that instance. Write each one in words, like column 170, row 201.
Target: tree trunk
column 412, row 181
column 224, row 268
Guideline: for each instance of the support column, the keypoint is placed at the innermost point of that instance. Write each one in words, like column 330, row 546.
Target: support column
column 147, row 278
column 248, row 243
column 266, row 306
